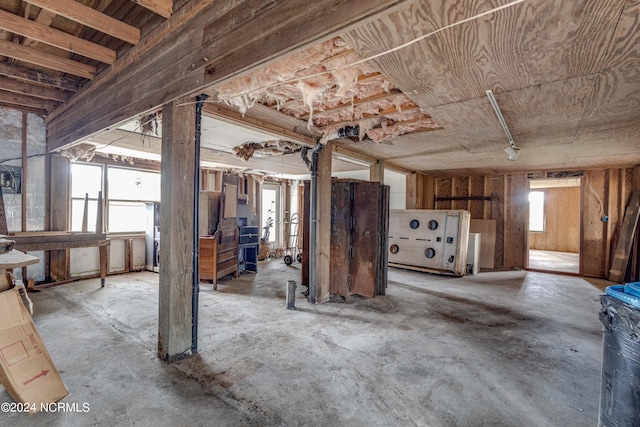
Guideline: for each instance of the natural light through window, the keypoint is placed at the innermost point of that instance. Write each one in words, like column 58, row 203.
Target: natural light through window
column 269, row 213
column 128, row 192
column 536, row 211
column 85, row 179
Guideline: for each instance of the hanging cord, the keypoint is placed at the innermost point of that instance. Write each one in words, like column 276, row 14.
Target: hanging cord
column 603, row 216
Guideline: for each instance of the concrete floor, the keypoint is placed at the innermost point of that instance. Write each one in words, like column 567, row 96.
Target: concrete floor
column 497, row 349
column 564, row 262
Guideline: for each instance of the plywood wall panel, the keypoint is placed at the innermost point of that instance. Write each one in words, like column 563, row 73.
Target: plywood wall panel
column 420, row 191
column 509, row 210
column 476, row 189
column 412, row 192
column 461, row 189
column 516, row 221
column 496, row 210
column 562, row 221
column 592, row 247
column 444, row 189
column 487, row 230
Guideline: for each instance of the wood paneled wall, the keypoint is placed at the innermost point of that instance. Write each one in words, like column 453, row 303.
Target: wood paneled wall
column 562, row 221
column 603, row 192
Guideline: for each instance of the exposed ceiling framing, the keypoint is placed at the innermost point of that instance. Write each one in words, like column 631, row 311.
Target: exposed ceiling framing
column 565, row 74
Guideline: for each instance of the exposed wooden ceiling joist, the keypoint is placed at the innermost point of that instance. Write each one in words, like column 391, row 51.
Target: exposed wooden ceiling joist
column 269, row 126
column 85, row 15
column 44, row 17
column 161, row 7
column 265, row 119
column 38, row 76
column 47, row 60
column 201, row 52
column 57, row 38
column 381, row 96
column 17, row 86
column 28, row 101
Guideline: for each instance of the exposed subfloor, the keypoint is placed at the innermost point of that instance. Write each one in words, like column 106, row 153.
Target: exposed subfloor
column 496, row 349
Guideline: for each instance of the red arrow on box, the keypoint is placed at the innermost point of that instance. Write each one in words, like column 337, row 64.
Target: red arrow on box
column 41, row 374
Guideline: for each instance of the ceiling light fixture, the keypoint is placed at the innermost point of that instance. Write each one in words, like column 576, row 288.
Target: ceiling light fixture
column 511, row 149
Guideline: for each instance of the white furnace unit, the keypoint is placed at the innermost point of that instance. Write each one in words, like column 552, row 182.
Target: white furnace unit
column 429, row 240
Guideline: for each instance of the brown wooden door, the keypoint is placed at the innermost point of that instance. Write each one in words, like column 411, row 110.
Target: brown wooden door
column 364, row 238
column 340, row 237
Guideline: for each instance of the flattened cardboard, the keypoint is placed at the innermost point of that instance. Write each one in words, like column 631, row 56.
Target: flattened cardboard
column 26, row 369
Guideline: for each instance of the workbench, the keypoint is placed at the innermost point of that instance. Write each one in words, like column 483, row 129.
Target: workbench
column 63, row 240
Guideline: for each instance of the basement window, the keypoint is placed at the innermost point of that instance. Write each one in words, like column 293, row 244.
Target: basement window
column 127, row 193
column 85, row 179
column 536, row 211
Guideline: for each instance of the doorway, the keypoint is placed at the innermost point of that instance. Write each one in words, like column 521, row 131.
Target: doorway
column 554, row 225
column 269, row 214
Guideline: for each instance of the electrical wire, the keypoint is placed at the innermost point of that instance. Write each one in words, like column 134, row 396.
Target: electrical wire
column 588, row 184
column 378, row 55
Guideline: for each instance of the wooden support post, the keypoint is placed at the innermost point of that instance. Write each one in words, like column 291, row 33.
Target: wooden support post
column 176, row 223
column 59, row 172
column 104, row 263
column 376, row 172
column 23, row 216
column 100, row 215
column 85, row 214
column 323, row 225
column 3, row 216
column 251, row 193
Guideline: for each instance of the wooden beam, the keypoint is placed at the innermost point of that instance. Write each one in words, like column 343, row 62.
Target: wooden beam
column 263, row 119
column 359, row 101
column 57, row 38
column 347, row 152
column 163, row 8
column 38, row 76
column 392, row 110
column 44, row 17
column 58, row 190
column 27, row 101
column 361, row 78
column 47, row 60
column 204, row 43
column 176, row 222
column 25, row 177
column 85, row 15
column 376, row 172
column 23, row 88
column 323, row 227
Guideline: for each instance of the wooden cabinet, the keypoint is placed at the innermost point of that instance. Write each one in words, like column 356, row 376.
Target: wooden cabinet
column 219, row 252
column 208, row 261
column 359, row 237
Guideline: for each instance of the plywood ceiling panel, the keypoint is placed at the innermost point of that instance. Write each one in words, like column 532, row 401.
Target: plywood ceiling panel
column 531, row 43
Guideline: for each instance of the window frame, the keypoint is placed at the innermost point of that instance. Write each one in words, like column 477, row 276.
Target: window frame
column 104, row 187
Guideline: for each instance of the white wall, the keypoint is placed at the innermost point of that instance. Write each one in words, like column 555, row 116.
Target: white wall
column 397, row 183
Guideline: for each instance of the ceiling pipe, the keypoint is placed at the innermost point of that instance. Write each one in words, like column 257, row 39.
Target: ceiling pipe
column 304, row 157
column 511, row 149
column 345, row 132
column 195, row 284
column 313, row 214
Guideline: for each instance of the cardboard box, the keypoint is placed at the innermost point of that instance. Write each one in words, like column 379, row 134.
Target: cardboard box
column 26, row 369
